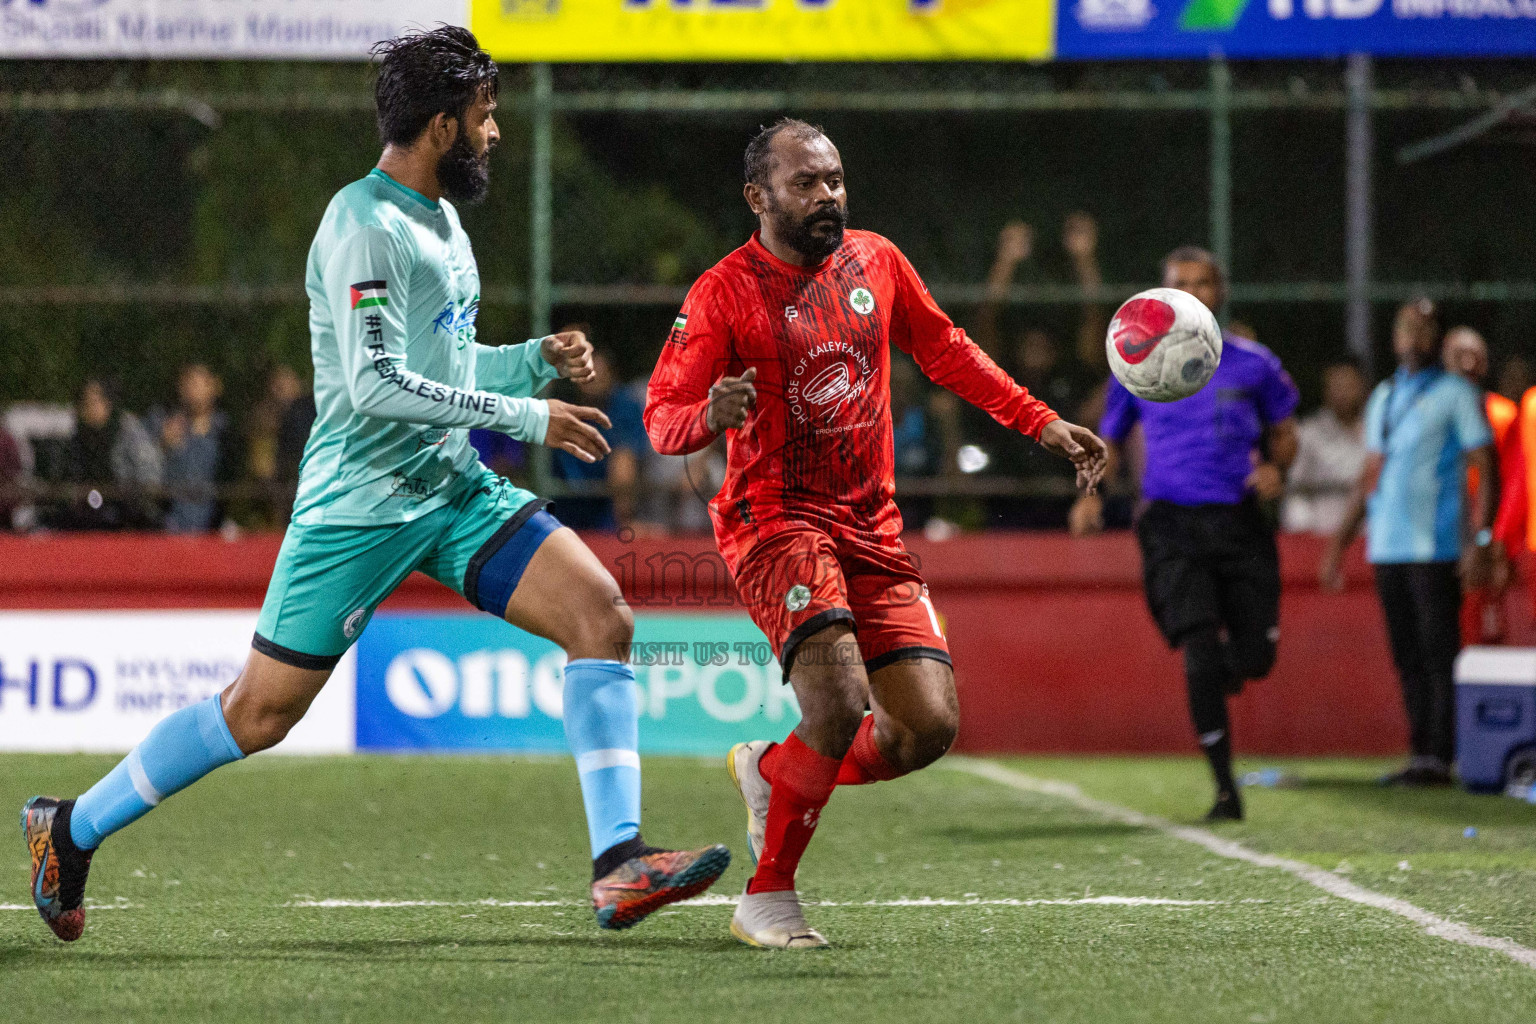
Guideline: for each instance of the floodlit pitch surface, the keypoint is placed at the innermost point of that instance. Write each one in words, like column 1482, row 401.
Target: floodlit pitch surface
column 376, row 889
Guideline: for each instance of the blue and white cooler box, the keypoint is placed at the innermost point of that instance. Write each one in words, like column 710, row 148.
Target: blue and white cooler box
column 472, row 683
column 1495, row 715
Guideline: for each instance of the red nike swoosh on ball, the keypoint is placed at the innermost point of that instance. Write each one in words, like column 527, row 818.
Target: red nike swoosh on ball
column 1139, row 325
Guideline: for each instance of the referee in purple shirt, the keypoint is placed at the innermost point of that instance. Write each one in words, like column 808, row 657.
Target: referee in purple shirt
column 1209, row 563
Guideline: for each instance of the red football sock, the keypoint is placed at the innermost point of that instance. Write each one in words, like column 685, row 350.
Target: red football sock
column 863, row 763
column 802, row 782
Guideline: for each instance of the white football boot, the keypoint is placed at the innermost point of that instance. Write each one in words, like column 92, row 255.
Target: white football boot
column 774, row 920
column 741, row 762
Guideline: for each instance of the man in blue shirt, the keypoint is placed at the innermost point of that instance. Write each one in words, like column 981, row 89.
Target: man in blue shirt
column 1209, row 562
column 1423, row 427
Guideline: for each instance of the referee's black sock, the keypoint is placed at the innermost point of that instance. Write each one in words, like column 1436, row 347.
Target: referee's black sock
column 1208, row 676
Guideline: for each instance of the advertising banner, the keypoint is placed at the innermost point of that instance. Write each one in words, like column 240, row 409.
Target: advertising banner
column 1100, row 29
column 469, row 682
column 331, row 29
column 583, row 30
column 99, row 681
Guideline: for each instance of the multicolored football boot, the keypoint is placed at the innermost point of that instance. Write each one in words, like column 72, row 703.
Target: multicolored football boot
column 59, row 868
column 623, row 897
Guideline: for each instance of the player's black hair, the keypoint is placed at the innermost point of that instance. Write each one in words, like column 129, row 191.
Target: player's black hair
column 425, row 73
column 757, row 164
column 1195, row 254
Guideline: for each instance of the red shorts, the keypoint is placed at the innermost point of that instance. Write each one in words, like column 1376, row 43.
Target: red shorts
column 801, row 580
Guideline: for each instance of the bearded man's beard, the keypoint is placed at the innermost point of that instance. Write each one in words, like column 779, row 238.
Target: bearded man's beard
column 463, row 176
column 798, row 234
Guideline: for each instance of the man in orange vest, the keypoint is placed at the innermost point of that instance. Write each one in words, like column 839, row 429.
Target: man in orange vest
column 1482, row 609
column 1515, row 527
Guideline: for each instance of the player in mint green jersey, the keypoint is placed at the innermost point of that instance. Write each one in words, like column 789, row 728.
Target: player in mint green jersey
column 390, row 485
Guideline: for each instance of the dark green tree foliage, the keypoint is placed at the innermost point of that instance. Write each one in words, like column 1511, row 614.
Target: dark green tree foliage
column 104, row 198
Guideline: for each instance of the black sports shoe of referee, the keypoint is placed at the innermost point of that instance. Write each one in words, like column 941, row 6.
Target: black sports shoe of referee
column 1209, row 562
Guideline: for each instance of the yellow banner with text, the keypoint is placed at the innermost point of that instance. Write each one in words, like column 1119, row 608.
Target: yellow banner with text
column 679, row 30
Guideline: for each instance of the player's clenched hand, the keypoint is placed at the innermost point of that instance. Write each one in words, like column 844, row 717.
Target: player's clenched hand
column 571, row 430
column 729, row 400
column 570, row 353
column 1087, row 452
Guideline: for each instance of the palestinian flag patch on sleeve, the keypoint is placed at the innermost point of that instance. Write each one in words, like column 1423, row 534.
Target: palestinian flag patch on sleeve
column 370, row 293
column 679, row 333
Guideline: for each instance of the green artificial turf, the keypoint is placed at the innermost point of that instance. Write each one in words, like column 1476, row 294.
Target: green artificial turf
column 209, row 927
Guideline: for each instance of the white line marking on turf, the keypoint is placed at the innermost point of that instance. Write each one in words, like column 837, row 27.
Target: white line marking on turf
column 1433, row 924
column 92, row 907
column 731, row 901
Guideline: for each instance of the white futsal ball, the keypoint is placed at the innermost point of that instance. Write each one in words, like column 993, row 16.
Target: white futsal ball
column 1163, row 345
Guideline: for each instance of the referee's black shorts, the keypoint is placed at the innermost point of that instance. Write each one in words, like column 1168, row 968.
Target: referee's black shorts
column 1211, row 565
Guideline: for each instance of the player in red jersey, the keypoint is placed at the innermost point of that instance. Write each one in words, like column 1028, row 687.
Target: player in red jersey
column 784, row 345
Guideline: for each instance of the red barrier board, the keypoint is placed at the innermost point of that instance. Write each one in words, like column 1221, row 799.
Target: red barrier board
column 1053, row 646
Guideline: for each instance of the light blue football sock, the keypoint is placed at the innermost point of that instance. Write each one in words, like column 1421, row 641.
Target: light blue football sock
column 602, row 726
column 180, row 750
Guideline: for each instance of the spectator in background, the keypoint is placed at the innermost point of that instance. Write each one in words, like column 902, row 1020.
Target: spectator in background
column 283, row 389
column 1035, row 360
column 678, row 489
column 1482, row 608
column 1080, row 237
column 292, row 438
column 1516, row 523
column 1037, row 364
column 1412, row 493
column 196, row 442
column 918, row 438
column 620, row 471
column 917, row 447
column 1517, row 382
column 1015, row 245
column 11, row 472
column 1330, row 452
column 114, row 463
column 264, row 442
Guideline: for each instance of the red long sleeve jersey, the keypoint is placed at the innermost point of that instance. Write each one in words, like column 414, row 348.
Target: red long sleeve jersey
column 817, row 447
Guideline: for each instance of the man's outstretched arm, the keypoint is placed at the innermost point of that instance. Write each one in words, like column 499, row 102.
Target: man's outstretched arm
column 521, row 371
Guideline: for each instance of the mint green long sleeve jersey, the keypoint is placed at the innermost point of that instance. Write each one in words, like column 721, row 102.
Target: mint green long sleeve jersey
column 399, row 378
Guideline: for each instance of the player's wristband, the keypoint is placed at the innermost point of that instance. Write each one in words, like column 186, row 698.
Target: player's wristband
column 1483, row 538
